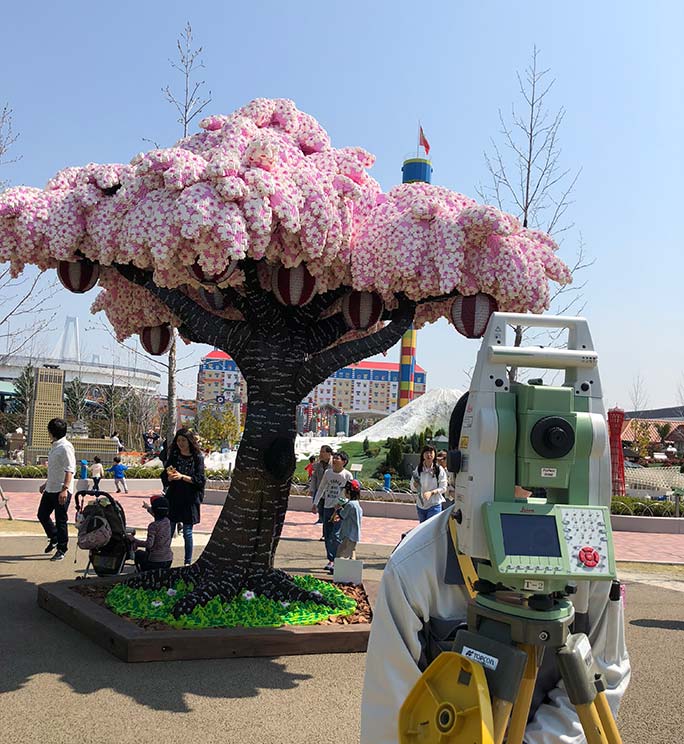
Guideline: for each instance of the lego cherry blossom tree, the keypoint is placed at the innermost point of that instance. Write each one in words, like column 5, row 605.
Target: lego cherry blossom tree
column 258, row 237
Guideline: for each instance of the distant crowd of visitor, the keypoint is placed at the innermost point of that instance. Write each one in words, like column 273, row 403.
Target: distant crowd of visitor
column 335, row 495
column 334, row 491
column 183, row 481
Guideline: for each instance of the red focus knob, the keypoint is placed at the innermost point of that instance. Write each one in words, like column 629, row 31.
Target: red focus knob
column 589, row 556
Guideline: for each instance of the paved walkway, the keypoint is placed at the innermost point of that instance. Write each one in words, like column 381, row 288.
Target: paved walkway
column 58, row 687
column 629, row 546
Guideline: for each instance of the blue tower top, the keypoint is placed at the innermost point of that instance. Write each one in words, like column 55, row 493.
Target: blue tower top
column 416, row 169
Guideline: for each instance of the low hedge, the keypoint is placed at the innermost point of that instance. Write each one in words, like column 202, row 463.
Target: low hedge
column 23, row 471
column 633, row 507
column 133, row 472
column 622, row 505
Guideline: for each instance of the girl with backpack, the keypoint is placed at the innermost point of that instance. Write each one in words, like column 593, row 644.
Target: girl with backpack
column 184, row 481
column 429, row 483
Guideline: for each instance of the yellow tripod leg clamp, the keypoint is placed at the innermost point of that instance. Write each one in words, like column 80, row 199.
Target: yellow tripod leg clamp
column 465, row 563
column 449, row 704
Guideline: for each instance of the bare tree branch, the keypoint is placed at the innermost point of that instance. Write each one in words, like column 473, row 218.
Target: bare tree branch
column 22, row 297
column 152, row 142
column 7, row 138
column 526, row 177
column 188, row 106
column 638, row 394
column 136, row 352
column 191, row 104
column 532, row 141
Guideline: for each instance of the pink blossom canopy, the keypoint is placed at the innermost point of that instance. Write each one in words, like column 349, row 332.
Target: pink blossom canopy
column 264, row 182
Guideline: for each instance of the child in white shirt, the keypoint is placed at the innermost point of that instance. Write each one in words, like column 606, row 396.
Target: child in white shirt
column 96, row 471
column 330, row 489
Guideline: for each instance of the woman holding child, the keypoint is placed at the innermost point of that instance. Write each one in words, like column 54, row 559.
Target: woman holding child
column 184, row 480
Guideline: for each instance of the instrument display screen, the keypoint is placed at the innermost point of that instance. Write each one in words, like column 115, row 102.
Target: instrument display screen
column 530, row 534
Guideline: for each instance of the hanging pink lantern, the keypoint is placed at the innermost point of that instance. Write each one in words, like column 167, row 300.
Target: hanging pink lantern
column 471, row 314
column 198, row 272
column 214, row 299
column 293, row 286
column 362, row 310
column 78, row 276
column 156, row 340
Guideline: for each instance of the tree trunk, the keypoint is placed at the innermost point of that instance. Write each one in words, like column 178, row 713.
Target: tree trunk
column 283, row 354
column 251, row 521
column 241, row 550
column 519, row 333
column 171, row 393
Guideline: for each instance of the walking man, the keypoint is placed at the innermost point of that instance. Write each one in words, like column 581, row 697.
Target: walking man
column 56, row 491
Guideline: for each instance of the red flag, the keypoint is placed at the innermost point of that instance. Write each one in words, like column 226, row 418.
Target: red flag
column 422, row 141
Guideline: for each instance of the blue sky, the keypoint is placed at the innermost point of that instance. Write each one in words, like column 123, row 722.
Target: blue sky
column 84, row 81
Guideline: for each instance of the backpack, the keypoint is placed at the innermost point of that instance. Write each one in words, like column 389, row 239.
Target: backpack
column 94, row 530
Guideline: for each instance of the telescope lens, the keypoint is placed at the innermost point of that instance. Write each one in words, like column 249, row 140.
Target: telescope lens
column 556, row 437
column 552, row 437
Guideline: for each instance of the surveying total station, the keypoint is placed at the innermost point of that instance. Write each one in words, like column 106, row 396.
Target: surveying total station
column 531, row 526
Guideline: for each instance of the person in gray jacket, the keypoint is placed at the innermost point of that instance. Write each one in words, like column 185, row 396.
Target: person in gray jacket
column 422, row 602
column 324, row 461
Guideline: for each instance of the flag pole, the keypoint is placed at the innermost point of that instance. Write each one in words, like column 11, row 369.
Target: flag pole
column 418, row 145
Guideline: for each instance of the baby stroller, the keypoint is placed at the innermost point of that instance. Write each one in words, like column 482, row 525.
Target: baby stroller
column 103, row 533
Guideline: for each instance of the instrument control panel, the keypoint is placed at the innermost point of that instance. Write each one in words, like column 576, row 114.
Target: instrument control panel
column 530, row 543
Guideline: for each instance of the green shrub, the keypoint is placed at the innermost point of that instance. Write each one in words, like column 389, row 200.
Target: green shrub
column 135, row 472
column 218, row 475
column 139, row 472
column 23, row 471
column 630, row 506
column 395, row 455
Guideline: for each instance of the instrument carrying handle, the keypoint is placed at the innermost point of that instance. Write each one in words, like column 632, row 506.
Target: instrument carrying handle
column 530, row 320
column 579, row 336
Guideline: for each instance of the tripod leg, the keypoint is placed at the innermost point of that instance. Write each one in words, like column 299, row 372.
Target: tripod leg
column 501, row 713
column 521, row 709
column 591, row 724
column 585, row 691
column 606, row 716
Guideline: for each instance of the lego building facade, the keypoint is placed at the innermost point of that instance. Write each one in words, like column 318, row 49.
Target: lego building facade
column 363, row 387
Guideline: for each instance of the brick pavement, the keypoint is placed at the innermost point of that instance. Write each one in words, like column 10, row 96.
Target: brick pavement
column 629, row 546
